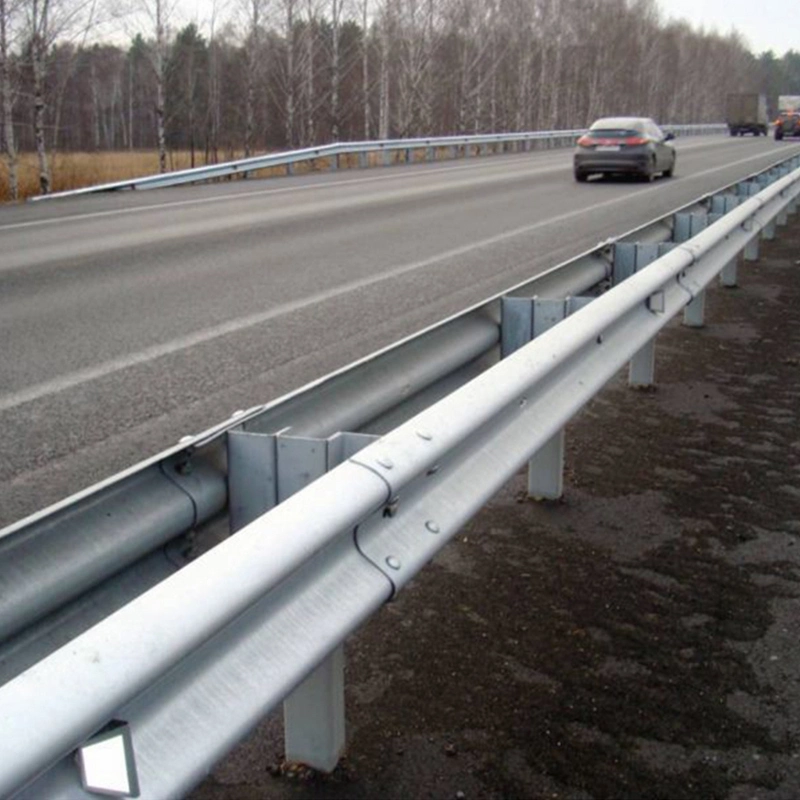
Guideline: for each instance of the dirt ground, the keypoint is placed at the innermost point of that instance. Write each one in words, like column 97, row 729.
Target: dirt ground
column 640, row 639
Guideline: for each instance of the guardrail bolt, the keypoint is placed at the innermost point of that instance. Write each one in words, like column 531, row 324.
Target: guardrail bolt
column 184, row 467
column 432, row 526
column 425, row 435
column 393, row 562
column 390, row 509
column 385, row 462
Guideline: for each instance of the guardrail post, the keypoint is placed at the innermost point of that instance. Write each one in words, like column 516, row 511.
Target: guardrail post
column 523, row 319
column 728, row 277
column 685, row 226
column 314, row 721
column 252, row 477
column 751, row 250
column 641, row 371
column 630, row 257
column 263, row 470
column 546, row 470
column 694, row 315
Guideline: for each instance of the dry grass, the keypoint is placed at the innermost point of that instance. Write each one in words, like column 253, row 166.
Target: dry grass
column 75, row 170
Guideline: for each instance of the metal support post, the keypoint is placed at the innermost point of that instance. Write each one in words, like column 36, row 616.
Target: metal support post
column 694, row 314
column 265, row 469
column 313, row 716
column 751, row 250
column 728, row 276
column 641, row 371
column 768, row 234
column 546, row 470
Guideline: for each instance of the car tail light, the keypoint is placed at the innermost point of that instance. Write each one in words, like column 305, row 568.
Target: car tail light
column 635, row 141
column 585, row 141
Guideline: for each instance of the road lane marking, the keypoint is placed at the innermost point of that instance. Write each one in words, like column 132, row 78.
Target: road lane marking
column 79, row 377
column 111, row 366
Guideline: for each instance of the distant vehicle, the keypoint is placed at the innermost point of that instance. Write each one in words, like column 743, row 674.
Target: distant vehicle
column 788, row 102
column 747, row 113
column 624, row 146
column 787, row 124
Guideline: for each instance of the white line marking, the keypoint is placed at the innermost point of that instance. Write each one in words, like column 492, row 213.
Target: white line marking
column 182, row 343
column 106, row 368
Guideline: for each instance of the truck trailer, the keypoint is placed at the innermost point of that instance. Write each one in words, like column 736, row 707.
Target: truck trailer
column 747, row 113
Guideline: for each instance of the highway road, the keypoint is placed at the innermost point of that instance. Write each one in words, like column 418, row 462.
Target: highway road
column 129, row 320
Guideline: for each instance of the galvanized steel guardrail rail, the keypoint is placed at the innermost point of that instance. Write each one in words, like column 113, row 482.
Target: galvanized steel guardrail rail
column 450, row 146
column 329, row 519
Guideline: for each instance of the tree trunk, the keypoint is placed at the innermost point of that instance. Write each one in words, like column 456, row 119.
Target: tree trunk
column 38, row 56
column 160, row 70
column 309, row 126
column 335, row 70
column 365, row 67
column 383, row 102
column 8, row 108
column 290, row 99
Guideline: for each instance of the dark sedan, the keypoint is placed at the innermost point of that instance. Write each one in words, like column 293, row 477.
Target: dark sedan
column 625, row 146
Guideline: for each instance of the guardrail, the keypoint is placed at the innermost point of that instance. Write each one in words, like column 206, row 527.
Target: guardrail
column 329, row 520
column 451, row 146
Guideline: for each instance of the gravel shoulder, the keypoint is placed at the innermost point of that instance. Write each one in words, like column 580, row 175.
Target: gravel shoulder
column 639, row 638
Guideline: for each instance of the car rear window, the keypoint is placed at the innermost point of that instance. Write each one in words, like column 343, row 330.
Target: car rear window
column 613, row 133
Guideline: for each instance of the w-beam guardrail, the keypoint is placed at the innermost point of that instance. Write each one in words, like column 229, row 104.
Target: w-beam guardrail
column 388, row 150
column 336, row 496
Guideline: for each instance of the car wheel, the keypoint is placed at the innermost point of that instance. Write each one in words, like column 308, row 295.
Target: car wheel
column 580, row 176
column 649, row 173
column 668, row 173
column 778, row 134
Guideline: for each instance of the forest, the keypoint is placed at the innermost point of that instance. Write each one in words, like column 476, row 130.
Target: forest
column 264, row 75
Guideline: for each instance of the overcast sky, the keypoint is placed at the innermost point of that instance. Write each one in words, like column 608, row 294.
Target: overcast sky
column 765, row 24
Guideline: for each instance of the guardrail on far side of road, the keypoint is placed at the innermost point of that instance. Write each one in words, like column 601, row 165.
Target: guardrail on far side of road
column 383, row 152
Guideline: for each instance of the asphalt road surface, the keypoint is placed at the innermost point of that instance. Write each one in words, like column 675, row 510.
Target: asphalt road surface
column 130, row 320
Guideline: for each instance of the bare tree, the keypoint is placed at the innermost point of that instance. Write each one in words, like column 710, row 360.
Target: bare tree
column 289, row 77
column 7, row 91
column 336, row 74
column 386, row 25
column 309, row 100
column 253, row 54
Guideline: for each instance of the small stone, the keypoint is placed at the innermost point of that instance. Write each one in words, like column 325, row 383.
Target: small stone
column 450, row 750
